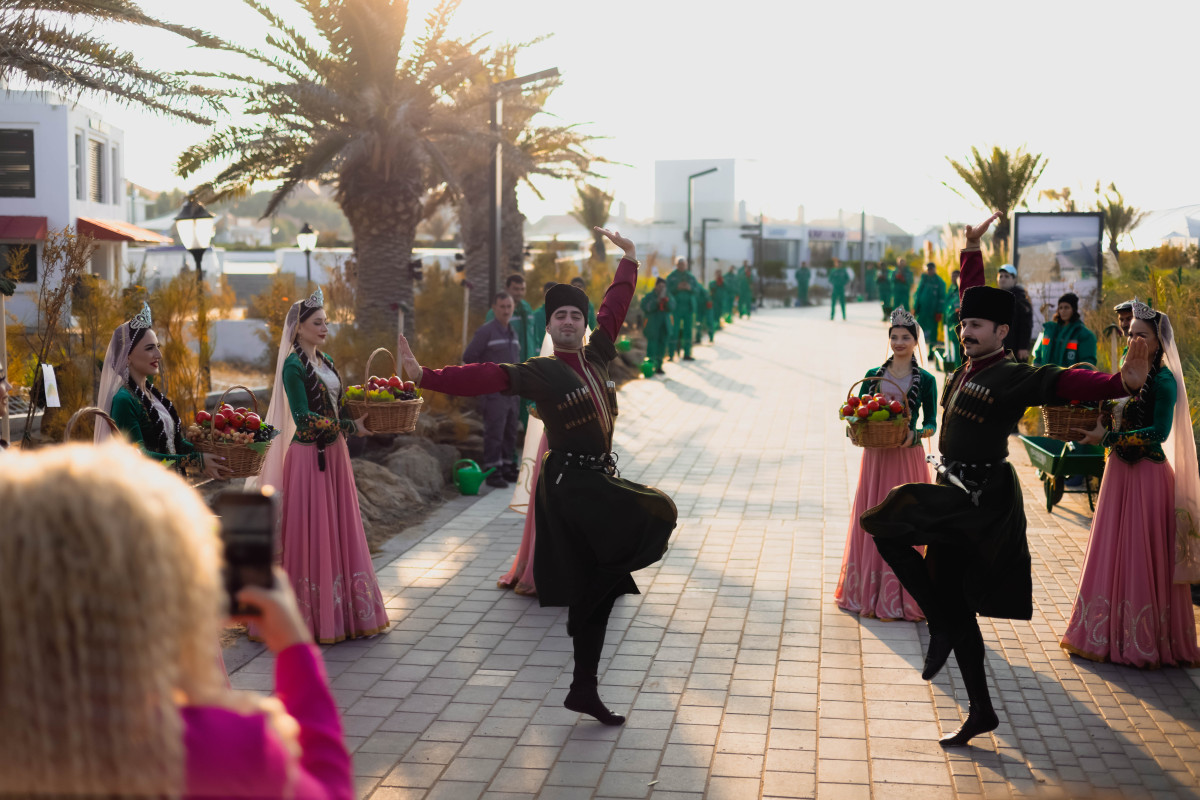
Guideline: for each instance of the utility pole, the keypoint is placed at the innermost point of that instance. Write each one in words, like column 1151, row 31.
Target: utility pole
column 688, row 233
column 704, row 248
column 862, row 253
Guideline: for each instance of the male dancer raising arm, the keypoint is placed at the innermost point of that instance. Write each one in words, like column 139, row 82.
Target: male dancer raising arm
column 594, row 527
column 972, row 519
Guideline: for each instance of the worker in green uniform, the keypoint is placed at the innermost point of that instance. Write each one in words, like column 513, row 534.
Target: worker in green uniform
column 657, row 307
column 883, row 285
column 902, row 279
column 538, row 323
column 869, row 292
column 682, row 287
column 950, row 318
column 838, row 278
column 928, row 304
column 803, row 279
column 718, row 290
column 1065, row 340
column 745, row 290
column 705, row 319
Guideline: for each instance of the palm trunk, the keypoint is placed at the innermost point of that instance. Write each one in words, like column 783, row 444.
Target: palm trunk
column 385, row 226
column 475, row 232
column 513, row 234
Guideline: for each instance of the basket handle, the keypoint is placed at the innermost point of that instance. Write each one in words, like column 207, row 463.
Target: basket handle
column 881, row 378
column 89, row 411
column 212, row 429
column 370, row 358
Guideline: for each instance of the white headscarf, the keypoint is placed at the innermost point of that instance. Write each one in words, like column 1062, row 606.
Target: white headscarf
column 1180, row 449
column 115, row 371
column 279, row 413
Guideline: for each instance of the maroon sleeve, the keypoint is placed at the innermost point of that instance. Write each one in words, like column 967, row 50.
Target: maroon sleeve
column 970, row 267
column 617, row 299
column 469, row 380
column 302, row 687
column 1086, row 385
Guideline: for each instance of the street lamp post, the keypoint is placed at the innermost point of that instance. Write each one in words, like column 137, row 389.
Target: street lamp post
column 704, row 248
column 306, row 240
column 691, row 178
column 196, row 225
column 497, row 193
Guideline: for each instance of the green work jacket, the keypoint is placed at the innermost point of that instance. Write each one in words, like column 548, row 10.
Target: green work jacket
column 1065, row 344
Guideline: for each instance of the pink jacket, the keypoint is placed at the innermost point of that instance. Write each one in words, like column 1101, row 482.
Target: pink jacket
column 234, row 755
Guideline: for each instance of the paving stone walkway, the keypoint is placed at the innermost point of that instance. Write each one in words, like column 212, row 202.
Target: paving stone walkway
column 740, row 676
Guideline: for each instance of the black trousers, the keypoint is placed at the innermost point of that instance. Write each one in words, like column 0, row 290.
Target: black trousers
column 936, row 583
column 587, row 628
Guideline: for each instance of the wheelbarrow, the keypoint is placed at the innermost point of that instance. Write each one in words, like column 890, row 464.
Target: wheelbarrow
column 1057, row 460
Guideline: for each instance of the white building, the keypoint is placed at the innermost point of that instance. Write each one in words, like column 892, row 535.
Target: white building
column 61, row 165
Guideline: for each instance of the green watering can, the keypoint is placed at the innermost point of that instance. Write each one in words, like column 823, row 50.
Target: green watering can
column 469, row 478
column 647, row 368
column 624, row 345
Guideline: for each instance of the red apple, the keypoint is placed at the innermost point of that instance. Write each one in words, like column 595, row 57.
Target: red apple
column 409, row 386
column 847, row 410
column 253, row 422
column 854, row 402
column 203, row 417
column 873, row 406
column 895, row 407
column 863, row 412
column 236, row 421
column 242, row 410
column 373, row 379
column 395, row 382
column 219, row 422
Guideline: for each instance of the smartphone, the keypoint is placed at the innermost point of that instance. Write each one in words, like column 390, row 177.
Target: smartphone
column 248, row 533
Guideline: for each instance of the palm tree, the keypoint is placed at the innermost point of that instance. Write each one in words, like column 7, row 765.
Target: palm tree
column 360, row 110
column 527, row 150
column 1000, row 181
column 591, row 211
column 1062, row 197
column 47, row 43
column 1119, row 219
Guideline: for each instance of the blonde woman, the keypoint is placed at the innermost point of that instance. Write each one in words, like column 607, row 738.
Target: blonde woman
column 110, row 608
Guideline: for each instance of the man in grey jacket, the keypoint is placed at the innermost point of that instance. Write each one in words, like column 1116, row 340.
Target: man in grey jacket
column 496, row 342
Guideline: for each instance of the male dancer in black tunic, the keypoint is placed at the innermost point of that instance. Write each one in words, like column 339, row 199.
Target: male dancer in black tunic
column 972, row 519
column 594, row 528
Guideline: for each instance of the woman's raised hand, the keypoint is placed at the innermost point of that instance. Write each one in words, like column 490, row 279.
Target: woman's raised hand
column 1136, row 367
column 620, row 241
column 974, row 234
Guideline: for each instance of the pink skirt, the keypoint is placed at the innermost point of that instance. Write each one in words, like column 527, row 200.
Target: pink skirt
column 324, row 548
column 520, row 577
column 1128, row 609
column 867, row 585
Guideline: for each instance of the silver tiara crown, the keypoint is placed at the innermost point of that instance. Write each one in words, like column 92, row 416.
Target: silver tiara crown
column 902, row 317
column 316, row 299
column 1142, row 311
column 142, row 320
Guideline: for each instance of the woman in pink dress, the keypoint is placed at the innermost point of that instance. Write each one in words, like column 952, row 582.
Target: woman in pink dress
column 867, row 585
column 520, row 577
column 1134, row 605
column 321, row 538
column 111, row 601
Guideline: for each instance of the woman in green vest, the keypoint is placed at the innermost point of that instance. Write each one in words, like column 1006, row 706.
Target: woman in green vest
column 141, row 411
column 1065, row 340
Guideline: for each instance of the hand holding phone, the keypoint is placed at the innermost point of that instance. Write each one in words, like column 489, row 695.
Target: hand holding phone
column 278, row 622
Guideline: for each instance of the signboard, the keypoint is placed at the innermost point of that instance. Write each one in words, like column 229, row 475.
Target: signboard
column 826, row 235
column 1056, row 253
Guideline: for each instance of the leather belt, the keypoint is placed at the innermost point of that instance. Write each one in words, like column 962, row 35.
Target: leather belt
column 605, row 462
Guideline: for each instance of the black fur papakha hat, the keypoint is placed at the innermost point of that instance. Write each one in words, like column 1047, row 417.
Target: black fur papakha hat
column 564, row 294
column 987, row 302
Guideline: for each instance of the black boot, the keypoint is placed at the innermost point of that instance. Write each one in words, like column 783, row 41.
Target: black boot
column 979, row 720
column 941, row 645
column 584, row 698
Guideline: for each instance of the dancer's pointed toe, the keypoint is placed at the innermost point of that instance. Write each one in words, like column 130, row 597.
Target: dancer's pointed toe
column 976, row 723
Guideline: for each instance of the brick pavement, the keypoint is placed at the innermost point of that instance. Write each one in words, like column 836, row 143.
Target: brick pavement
column 740, row 676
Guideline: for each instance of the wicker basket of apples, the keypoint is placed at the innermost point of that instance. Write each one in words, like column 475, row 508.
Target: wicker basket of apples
column 236, row 434
column 391, row 405
column 873, row 420
column 1063, row 420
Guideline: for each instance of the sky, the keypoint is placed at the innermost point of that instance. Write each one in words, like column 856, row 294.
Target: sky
column 843, row 105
